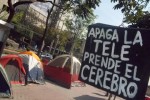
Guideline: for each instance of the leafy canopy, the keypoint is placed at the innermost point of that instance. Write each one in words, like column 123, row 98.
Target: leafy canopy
column 133, row 9
column 79, row 7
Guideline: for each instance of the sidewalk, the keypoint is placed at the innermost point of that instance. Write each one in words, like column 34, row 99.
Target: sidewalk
column 51, row 91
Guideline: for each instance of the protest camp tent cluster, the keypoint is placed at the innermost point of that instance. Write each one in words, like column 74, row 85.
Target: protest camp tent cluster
column 5, row 86
column 35, row 67
column 63, row 69
column 14, row 68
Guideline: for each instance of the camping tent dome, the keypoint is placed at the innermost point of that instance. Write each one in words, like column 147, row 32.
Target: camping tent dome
column 35, row 68
column 64, row 69
column 67, row 62
column 14, row 68
column 5, row 86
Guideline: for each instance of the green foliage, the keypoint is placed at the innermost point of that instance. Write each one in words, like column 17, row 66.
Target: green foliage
column 26, row 27
column 63, row 37
column 78, row 29
column 3, row 15
column 78, row 25
column 92, row 3
column 132, row 9
column 83, row 11
column 81, row 8
column 18, row 17
column 143, row 22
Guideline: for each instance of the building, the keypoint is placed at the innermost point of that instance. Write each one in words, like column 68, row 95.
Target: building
column 37, row 12
column 35, row 15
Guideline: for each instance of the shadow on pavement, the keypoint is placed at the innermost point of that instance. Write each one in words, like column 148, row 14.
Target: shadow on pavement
column 87, row 97
column 56, row 83
column 100, row 94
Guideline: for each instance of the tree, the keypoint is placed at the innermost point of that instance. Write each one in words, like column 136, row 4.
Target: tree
column 49, row 11
column 26, row 27
column 132, row 9
column 76, row 26
column 83, row 5
column 81, row 8
column 143, row 22
column 18, row 17
column 63, row 37
column 11, row 7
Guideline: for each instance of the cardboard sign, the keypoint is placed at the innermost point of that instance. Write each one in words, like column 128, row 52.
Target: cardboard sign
column 117, row 60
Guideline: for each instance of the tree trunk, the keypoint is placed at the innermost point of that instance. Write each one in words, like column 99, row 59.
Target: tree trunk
column 11, row 8
column 11, row 11
column 46, row 28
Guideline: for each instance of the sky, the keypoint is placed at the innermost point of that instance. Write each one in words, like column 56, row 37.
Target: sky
column 107, row 15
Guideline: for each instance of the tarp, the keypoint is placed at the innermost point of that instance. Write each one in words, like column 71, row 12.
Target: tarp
column 34, row 68
column 14, row 68
column 5, row 86
column 64, row 69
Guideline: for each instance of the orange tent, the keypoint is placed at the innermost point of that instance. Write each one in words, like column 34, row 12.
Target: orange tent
column 32, row 54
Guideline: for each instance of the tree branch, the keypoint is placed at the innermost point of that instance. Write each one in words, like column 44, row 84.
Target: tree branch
column 11, row 11
column 54, row 4
column 28, row 2
column 10, row 5
column 21, row 3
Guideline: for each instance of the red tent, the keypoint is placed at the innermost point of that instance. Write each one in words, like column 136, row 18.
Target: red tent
column 64, row 69
column 147, row 98
column 14, row 68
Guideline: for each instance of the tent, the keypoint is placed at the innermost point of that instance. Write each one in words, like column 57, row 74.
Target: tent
column 14, row 68
column 5, row 86
column 63, row 69
column 32, row 54
column 35, row 68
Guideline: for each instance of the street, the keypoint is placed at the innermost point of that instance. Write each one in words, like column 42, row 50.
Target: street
column 51, row 91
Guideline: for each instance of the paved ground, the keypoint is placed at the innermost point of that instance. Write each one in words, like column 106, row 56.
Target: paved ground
column 51, row 91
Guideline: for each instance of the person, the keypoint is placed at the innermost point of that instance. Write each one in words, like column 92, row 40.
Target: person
column 35, row 48
column 27, row 73
column 26, row 67
column 22, row 43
